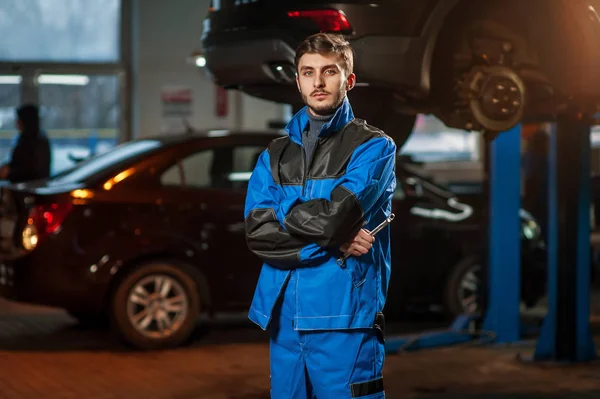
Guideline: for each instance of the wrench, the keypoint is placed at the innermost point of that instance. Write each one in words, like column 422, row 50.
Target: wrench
column 376, row 230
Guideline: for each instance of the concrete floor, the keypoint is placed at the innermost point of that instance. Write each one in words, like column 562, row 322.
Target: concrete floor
column 43, row 353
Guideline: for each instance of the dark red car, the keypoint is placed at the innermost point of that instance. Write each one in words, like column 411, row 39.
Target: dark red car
column 151, row 234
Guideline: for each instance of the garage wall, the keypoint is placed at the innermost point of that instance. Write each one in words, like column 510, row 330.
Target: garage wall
column 164, row 35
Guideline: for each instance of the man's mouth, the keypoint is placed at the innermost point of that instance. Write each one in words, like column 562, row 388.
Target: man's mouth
column 319, row 95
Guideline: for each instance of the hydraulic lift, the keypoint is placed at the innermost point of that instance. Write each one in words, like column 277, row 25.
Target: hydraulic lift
column 565, row 334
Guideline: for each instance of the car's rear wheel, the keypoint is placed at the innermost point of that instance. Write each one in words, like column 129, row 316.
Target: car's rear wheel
column 463, row 287
column 156, row 305
column 463, row 290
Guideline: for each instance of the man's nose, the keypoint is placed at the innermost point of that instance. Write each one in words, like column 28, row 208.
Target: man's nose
column 319, row 81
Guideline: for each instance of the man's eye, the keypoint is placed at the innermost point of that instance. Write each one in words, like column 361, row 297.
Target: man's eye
column 307, row 73
column 330, row 71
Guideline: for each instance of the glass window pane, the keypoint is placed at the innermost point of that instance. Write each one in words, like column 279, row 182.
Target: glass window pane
column 60, row 30
column 196, row 169
column 244, row 161
column 92, row 166
column 81, row 115
column 10, row 98
column 432, row 141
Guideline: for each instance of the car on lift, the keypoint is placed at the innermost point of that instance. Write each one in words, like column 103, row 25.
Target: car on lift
column 476, row 65
column 151, row 234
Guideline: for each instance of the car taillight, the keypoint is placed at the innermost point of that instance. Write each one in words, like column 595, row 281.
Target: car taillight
column 326, row 20
column 42, row 221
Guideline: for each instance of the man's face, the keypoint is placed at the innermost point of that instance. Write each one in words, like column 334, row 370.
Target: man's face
column 322, row 82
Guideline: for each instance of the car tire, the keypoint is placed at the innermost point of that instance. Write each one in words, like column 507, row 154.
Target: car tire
column 156, row 305
column 465, row 272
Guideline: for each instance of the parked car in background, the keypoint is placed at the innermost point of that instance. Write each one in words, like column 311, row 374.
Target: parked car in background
column 476, row 65
column 152, row 235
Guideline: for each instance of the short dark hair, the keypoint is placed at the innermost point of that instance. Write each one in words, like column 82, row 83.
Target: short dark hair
column 327, row 43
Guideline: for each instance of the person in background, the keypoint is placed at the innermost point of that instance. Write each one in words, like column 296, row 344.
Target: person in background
column 30, row 159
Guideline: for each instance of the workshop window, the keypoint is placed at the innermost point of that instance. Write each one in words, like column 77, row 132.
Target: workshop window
column 60, row 30
column 433, row 141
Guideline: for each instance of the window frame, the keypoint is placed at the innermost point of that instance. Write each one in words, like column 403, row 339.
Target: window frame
column 180, row 152
column 177, row 158
column 30, row 70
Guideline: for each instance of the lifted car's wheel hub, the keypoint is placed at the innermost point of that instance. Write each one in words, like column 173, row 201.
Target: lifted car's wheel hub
column 495, row 96
column 501, row 98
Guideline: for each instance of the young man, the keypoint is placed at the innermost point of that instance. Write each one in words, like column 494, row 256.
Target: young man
column 314, row 196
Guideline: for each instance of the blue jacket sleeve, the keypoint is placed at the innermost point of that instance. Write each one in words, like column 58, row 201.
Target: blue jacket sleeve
column 266, row 236
column 370, row 174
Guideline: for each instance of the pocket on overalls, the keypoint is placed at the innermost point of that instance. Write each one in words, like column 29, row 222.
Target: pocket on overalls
column 356, row 271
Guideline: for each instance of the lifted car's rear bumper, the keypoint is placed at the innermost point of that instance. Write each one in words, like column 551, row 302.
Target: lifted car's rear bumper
column 263, row 61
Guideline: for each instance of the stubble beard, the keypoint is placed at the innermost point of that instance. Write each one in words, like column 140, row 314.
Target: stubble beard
column 326, row 108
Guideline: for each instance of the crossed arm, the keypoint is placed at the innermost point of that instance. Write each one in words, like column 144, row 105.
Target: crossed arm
column 287, row 232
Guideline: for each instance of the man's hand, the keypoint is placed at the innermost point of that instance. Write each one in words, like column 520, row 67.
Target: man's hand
column 359, row 245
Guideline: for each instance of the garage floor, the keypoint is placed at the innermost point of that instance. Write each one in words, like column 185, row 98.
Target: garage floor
column 43, row 353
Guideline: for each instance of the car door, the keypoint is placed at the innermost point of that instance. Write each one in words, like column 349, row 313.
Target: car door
column 207, row 188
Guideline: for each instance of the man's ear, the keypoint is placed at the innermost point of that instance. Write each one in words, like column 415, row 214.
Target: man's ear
column 350, row 81
column 298, row 84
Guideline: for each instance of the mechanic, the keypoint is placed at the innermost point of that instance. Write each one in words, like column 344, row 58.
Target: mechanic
column 314, row 196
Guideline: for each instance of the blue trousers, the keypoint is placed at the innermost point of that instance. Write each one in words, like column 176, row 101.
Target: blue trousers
column 322, row 364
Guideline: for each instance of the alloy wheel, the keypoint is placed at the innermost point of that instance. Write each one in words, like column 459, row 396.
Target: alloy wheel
column 468, row 289
column 157, row 306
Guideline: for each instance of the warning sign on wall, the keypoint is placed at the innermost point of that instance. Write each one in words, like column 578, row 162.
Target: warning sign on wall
column 221, row 102
column 176, row 102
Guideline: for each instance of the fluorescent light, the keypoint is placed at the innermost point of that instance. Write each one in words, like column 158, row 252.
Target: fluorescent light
column 10, row 79
column 74, row 80
column 218, row 133
column 240, row 176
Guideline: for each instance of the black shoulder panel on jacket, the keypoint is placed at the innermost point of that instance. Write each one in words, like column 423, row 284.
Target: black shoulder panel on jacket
column 287, row 161
column 334, row 152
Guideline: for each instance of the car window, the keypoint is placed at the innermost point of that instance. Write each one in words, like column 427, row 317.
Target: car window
column 86, row 169
column 244, row 161
column 219, row 168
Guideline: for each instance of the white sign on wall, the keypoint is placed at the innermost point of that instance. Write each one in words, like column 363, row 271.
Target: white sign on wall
column 176, row 103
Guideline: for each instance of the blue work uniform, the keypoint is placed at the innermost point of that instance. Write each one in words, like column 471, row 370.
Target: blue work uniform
column 324, row 319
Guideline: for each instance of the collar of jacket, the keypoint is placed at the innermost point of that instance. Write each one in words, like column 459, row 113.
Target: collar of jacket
column 342, row 116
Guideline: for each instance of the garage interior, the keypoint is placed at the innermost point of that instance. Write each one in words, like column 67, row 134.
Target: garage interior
column 108, row 72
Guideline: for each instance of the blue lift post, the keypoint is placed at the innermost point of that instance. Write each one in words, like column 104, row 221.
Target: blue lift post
column 565, row 335
column 504, row 247
column 502, row 318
